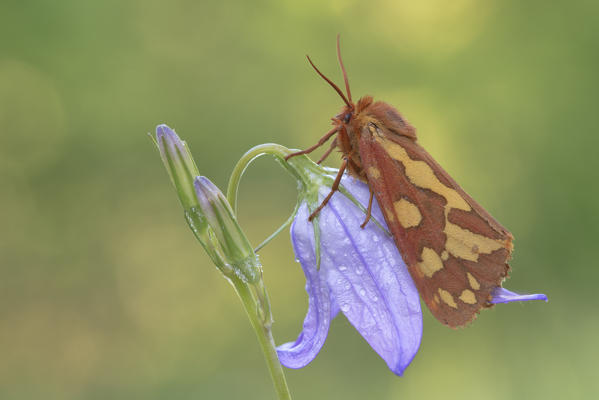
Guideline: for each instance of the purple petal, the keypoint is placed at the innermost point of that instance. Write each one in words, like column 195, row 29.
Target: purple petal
column 320, row 308
column 172, row 140
column 501, row 295
column 369, row 279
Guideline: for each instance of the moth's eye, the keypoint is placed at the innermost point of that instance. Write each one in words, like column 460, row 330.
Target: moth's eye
column 347, row 118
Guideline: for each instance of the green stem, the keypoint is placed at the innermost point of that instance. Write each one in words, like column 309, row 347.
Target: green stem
column 276, row 150
column 262, row 329
column 279, row 230
column 256, row 302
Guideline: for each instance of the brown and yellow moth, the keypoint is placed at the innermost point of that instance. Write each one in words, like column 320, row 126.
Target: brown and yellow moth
column 455, row 251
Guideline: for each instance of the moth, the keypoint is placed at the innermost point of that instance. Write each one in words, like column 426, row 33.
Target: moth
column 456, row 252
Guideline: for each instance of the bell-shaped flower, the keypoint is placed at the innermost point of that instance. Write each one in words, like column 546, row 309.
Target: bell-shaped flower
column 356, row 271
column 361, row 274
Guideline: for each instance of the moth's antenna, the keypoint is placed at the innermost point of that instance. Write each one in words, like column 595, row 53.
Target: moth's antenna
column 343, row 69
column 330, row 83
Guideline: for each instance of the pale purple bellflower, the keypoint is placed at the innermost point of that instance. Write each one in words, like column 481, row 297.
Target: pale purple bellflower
column 361, row 274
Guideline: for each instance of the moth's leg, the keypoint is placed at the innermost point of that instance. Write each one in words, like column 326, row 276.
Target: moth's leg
column 333, row 189
column 368, row 210
column 326, row 154
column 322, row 141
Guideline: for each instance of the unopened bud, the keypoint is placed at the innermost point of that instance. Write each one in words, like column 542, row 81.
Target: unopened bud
column 179, row 164
column 235, row 246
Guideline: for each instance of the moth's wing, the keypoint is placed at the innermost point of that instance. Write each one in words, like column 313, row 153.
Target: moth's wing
column 455, row 251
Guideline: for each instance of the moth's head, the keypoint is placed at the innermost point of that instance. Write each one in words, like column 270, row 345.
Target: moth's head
column 345, row 116
column 366, row 110
column 349, row 114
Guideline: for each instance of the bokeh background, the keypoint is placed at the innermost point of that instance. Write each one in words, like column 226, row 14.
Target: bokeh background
column 104, row 294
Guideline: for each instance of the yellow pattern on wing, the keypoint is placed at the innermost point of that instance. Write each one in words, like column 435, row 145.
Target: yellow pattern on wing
column 431, row 262
column 408, row 214
column 460, row 242
column 447, row 298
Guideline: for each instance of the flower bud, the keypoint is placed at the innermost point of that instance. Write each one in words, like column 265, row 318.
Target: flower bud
column 207, row 211
column 179, row 164
column 235, row 246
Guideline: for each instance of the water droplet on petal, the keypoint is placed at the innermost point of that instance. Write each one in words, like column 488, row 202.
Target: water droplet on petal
column 375, row 238
column 362, row 292
column 359, row 271
column 345, row 307
column 342, row 268
column 375, row 298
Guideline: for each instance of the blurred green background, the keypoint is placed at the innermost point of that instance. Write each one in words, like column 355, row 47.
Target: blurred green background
column 104, row 294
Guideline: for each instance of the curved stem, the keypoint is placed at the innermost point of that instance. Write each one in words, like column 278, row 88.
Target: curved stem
column 276, row 150
column 263, row 332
